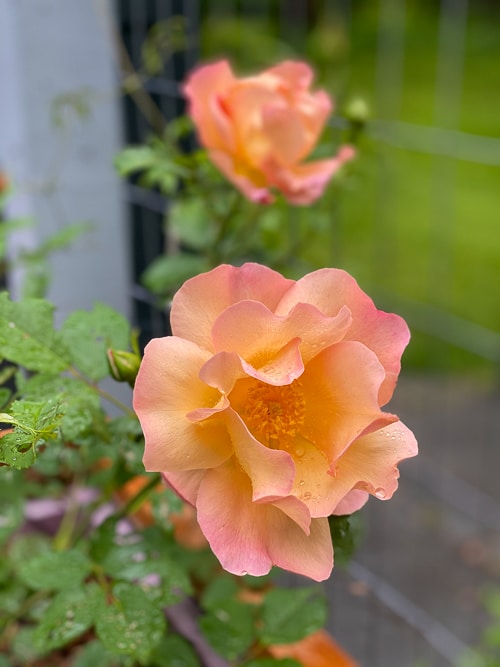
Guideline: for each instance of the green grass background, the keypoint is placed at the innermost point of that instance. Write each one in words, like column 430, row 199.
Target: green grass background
column 411, row 226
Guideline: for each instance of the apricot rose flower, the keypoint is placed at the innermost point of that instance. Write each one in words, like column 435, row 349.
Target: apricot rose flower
column 259, row 129
column 263, row 410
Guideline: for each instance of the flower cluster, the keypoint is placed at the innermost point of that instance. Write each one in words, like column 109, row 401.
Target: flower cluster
column 258, row 130
column 263, row 410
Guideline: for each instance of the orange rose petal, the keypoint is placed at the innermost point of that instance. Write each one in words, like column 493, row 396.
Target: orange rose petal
column 342, row 384
column 202, row 90
column 198, row 303
column 386, row 334
column 172, row 391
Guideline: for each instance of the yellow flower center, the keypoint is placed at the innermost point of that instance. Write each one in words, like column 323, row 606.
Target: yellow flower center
column 274, row 414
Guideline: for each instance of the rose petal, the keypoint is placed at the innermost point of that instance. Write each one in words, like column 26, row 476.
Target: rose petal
column 266, row 333
column 341, row 387
column 285, row 133
column 384, row 333
column 351, row 502
column 314, row 110
column 246, row 100
column 185, row 483
column 302, row 184
column 250, row 181
column 370, row 463
column 310, row 555
column 271, row 471
column 222, row 370
column 203, row 90
column 249, row 538
column 294, row 74
column 166, row 389
column 199, row 302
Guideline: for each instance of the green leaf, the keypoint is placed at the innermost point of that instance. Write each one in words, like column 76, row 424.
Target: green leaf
column 288, row 615
column 132, row 624
column 94, row 654
column 229, row 629
column 173, row 651
column 168, row 272
column 4, row 396
column 34, row 423
column 161, row 176
column 23, row 647
column 219, row 591
column 12, row 496
column 30, row 543
column 69, row 615
column 12, row 516
column 55, row 570
column 79, row 402
column 87, row 336
column 191, row 224
column 133, row 159
column 12, row 598
column 4, row 662
column 27, row 335
column 134, row 562
column 343, row 538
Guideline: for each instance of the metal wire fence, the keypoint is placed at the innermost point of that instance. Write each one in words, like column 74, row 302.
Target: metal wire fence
column 412, row 595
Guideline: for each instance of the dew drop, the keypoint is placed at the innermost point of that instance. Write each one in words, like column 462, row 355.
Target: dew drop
column 12, row 325
column 307, row 496
column 380, row 493
column 300, row 451
column 301, row 483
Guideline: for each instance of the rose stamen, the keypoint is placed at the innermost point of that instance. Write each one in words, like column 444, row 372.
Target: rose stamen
column 275, row 414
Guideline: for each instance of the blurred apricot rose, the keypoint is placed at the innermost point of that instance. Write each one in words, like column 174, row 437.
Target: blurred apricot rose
column 263, row 410
column 316, row 650
column 258, row 130
column 186, row 529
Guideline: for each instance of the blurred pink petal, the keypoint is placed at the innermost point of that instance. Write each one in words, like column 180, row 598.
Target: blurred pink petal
column 249, row 538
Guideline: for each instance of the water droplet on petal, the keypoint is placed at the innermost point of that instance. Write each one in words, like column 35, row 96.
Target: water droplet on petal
column 301, row 483
column 380, row 493
column 300, row 450
column 307, row 496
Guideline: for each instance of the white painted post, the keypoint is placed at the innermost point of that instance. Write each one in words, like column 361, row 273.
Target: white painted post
column 50, row 49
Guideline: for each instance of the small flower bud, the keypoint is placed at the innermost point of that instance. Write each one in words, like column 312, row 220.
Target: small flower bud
column 123, row 365
column 357, row 111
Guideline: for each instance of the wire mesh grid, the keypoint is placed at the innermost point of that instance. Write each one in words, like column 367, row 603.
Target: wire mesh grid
column 412, row 595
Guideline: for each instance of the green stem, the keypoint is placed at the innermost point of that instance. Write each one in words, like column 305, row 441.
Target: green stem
column 62, row 539
column 136, row 501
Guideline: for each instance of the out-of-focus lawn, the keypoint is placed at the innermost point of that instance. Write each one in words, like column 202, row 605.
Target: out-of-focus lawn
column 421, row 226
